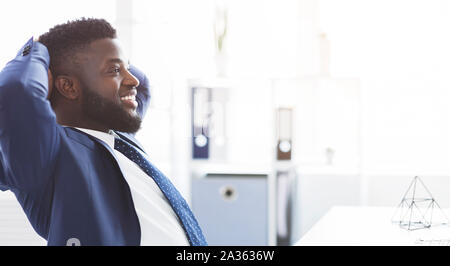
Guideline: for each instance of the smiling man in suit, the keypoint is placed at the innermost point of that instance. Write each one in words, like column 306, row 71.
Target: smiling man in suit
column 70, row 105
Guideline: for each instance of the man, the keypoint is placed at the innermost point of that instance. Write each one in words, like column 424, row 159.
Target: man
column 73, row 162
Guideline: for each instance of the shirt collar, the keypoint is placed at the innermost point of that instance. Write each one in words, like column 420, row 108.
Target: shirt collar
column 108, row 138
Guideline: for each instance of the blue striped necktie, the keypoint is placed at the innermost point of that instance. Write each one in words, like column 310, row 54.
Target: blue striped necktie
column 179, row 205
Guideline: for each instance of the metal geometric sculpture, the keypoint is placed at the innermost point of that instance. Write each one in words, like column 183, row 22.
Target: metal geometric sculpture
column 418, row 208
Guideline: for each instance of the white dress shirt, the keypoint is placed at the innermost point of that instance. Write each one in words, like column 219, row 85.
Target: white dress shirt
column 160, row 226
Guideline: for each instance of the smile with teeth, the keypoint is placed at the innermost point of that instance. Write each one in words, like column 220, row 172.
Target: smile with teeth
column 129, row 101
column 130, row 97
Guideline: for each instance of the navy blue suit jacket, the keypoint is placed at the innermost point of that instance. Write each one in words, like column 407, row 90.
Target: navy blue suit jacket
column 67, row 182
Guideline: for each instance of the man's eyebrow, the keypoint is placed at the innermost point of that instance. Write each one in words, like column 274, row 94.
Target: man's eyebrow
column 119, row 61
column 115, row 60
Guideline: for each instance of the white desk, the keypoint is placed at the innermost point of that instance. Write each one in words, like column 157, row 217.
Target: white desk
column 369, row 226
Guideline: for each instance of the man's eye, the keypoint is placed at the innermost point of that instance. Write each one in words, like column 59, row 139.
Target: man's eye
column 115, row 70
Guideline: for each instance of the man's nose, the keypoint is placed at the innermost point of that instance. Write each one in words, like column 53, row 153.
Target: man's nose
column 131, row 80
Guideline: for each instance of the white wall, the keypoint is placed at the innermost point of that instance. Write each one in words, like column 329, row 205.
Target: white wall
column 400, row 52
column 21, row 20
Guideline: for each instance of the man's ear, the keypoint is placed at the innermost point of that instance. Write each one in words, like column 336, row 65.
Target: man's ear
column 67, row 86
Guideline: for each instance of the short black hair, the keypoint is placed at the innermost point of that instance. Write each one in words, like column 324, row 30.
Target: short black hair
column 64, row 41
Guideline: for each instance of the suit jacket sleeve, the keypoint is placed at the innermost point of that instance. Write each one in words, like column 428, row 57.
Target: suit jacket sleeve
column 29, row 138
column 3, row 185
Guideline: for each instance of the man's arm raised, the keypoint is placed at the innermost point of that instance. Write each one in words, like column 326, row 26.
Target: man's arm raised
column 29, row 136
column 143, row 91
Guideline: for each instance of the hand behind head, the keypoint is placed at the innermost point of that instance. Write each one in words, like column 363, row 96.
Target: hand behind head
column 50, row 76
column 50, row 84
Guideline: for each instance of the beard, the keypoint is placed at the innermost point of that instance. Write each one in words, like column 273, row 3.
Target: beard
column 108, row 113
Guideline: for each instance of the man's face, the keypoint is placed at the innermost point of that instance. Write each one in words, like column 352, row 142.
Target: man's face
column 108, row 89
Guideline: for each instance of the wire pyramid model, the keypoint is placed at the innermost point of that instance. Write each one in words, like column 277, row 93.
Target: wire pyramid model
column 418, row 208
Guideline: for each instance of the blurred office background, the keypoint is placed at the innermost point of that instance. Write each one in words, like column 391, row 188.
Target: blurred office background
column 266, row 113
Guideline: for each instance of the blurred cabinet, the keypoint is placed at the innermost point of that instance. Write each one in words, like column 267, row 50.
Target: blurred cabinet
column 231, row 120
column 232, row 209
column 307, row 124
